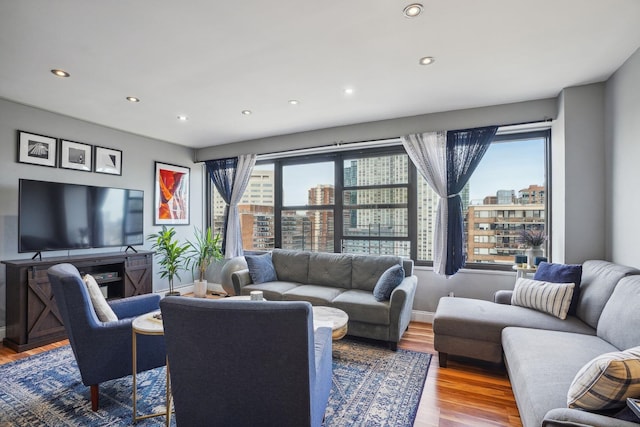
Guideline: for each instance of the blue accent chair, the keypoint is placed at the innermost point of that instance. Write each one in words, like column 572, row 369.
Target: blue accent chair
column 103, row 349
column 246, row 363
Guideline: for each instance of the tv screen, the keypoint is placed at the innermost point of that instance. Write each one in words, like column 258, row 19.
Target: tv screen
column 57, row 216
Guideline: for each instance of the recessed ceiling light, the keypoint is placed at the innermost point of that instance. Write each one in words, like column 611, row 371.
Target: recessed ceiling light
column 133, row 99
column 427, row 60
column 183, row 118
column 294, row 102
column 60, row 73
column 246, row 112
column 348, row 91
column 412, row 10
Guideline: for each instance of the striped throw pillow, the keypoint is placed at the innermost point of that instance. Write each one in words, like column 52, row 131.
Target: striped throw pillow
column 551, row 298
column 606, row 381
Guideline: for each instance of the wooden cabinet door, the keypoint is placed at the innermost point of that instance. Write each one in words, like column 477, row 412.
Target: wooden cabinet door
column 138, row 275
column 43, row 316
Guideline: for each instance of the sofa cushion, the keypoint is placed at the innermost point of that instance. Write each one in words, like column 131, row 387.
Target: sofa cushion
column 261, row 268
column 316, row 295
column 330, row 269
column 271, row 291
column 551, row 298
column 562, row 273
column 620, row 313
column 361, row 306
column 366, row 270
column 542, row 364
column 484, row 320
column 599, row 278
column 389, row 280
column 100, row 305
column 291, row 266
column 606, row 381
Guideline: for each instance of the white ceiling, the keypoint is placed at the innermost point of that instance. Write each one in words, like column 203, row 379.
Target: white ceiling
column 211, row 59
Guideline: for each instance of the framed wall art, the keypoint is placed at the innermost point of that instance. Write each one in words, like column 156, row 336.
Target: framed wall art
column 108, row 160
column 171, row 203
column 37, row 149
column 75, row 155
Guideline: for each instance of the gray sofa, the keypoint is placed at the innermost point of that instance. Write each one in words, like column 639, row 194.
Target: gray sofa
column 342, row 281
column 543, row 353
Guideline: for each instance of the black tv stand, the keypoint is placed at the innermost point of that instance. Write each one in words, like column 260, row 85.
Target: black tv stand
column 130, row 247
column 33, row 318
column 37, row 255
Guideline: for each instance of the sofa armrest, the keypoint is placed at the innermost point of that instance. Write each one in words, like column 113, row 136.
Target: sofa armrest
column 400, row 306
column 563, row 417
column 503, row 297
column 135, row 306
column 240, row 279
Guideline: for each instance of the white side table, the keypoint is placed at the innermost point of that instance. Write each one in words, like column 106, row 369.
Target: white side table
column 147, row 325
column 523, row 272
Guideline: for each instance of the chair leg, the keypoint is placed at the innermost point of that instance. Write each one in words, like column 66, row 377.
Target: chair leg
column 393, row 346
column 95, row 394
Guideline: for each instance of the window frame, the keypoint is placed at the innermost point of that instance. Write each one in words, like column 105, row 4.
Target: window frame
column 339, row 157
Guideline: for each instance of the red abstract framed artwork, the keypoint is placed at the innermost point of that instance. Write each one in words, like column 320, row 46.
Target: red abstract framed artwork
column 171, row 206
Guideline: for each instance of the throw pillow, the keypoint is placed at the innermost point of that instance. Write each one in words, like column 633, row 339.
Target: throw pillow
column 551, row 298
column 606, row 381
column 100, row 306
column 388, row 281
column 261, row 268
column 562, row 273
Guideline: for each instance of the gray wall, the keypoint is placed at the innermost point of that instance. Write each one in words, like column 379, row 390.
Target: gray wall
column 623, row 163
column 578, row 175
column 139, row 154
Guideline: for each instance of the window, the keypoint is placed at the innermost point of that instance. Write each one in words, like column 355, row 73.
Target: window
column 256, row 210
column 308, row 199
column 374, row 202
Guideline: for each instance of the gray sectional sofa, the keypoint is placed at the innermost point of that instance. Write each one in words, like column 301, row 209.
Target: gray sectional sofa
column 542, row 353
column 342, row 281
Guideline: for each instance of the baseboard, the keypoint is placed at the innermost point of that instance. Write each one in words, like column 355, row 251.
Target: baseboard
column 422, row 316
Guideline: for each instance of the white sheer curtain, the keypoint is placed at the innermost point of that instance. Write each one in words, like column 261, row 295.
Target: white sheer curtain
column 428, row 152
column 241, row 179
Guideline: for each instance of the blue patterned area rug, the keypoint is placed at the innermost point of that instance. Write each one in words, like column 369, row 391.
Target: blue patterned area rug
column 372, row 386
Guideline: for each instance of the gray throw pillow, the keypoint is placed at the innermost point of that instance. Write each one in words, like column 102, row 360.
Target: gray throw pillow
column 387, row 282
column 261, row 268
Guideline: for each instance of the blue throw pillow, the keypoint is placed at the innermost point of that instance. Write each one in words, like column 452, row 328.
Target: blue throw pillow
column 387, row 282
column 562, row 273
column 261, row 268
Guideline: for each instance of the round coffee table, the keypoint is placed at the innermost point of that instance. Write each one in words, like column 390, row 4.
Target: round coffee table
column 328, row 315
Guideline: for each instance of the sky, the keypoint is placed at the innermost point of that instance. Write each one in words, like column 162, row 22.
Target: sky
column 508, row 166
column 505, row 166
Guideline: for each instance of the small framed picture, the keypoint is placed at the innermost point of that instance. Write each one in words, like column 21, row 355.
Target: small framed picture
column 75, row 155
column 37, row 149
column 108, row 160
column 171, row 194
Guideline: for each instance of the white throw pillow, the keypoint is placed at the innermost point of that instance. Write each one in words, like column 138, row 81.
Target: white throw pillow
column 102, row 308
column 606, row 381
column 551, row 298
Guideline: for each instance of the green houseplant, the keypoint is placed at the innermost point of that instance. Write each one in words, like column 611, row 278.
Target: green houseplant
column 170, row 253
column 203, row 250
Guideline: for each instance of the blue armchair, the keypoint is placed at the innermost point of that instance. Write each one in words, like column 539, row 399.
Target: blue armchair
column 103, row 349
column 246, row 363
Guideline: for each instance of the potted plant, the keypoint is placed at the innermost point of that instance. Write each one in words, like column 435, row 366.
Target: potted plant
column 202, row 252
column 170, row 253
column 533, row 238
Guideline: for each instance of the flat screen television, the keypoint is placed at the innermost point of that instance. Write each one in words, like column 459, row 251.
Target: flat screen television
column 56, row 216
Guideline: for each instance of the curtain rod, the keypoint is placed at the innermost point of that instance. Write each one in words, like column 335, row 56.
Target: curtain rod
column 389, row 142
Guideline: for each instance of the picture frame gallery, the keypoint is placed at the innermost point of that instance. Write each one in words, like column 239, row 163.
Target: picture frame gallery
column 42, row 150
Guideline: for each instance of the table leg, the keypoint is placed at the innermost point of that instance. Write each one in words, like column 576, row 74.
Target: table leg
column 134, row 370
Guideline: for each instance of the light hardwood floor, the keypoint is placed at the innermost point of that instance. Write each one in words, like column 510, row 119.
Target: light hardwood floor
column 464, row 394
